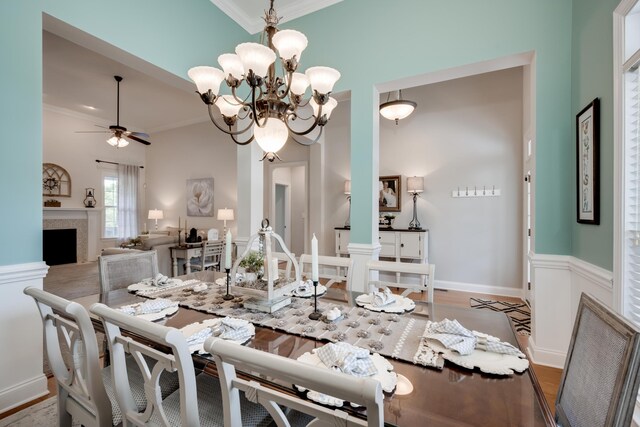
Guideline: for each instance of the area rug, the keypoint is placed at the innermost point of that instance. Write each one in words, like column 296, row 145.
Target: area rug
column 518, row 312
column 43, row 414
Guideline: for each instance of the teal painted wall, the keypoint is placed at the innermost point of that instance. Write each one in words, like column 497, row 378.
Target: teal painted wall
column 172, row 35
column 376, row 41
column 592, row 77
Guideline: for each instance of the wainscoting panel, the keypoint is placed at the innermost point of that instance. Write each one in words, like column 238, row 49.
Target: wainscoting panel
column 557, row 282
column 21, row 377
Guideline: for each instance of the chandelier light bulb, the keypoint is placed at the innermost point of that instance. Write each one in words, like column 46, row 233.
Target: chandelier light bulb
column 228, row 105
column 299, row 83
column 231, row 64
column 326, row 108
column 272, row 136
column 256, row 57
column 206, row 78
column 322, row 79
column 290, row 43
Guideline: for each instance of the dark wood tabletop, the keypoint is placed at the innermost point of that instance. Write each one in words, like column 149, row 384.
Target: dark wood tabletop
column 453, row 396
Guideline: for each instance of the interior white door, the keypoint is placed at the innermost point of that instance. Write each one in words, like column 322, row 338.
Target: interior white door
column 281, row 214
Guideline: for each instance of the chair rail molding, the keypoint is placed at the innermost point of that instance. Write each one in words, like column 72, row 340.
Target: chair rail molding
column 557, row 282
column 21, row 377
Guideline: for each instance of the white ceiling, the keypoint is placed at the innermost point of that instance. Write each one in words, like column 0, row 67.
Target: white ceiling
column 75, row 78
column 249, row 13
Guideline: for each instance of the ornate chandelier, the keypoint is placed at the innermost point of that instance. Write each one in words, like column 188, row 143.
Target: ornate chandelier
column 273, row 102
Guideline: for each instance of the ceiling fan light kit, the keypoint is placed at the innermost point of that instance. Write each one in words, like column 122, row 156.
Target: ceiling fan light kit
column 274, row 102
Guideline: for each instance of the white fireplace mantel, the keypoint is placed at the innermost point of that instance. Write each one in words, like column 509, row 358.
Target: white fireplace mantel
column 92, row 215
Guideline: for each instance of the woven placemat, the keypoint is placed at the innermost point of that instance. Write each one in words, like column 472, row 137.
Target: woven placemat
column 391, row 335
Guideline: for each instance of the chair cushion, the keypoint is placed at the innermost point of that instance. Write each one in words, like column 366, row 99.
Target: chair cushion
column 210, row 406
column 169, row 383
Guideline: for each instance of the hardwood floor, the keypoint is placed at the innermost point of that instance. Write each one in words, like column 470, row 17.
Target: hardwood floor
column 63, row 281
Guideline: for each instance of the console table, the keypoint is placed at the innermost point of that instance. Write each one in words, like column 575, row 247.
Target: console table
column 399, row 244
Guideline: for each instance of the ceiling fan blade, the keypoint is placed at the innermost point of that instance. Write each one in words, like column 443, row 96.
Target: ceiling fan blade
column 138, row 134
column 135, row 138
column 93, row 131
column 102, row 127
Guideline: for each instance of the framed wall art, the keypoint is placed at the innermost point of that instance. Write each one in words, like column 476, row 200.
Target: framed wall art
column 587, row 167
column 389, row 195
column 200, row 197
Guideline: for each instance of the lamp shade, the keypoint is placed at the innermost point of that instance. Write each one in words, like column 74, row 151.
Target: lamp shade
column 347, row 187
column 156, row 214
column 225, row 214
column 326, row 108
column 231, row 64
column 206, row 78
column 415, row 184
column 117, row 142
column 272, row 136
column 299, row 83
column 397, row 110
column 290, row 43
column 322, row 79
column 228, row 105
column 256, row 57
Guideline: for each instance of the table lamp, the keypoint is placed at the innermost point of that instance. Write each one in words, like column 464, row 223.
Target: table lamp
column 156, row 214
column 347, row 192
column 415, row 186
column 225, row 215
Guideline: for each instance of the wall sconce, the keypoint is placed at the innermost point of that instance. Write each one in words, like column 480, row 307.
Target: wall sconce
column 347, row 192
column 415, row 186
column 156, row 214
column 225, row 215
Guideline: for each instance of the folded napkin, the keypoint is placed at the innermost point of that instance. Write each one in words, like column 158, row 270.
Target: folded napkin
column 159, row 280
column 304, row 287
column 347, row 358
column 148, row 307
column 382, row 298
column 199, row 337
column 454, row 336
column 234, row 329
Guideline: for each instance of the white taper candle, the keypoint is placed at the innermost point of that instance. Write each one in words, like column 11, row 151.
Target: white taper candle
column 314, row 258
column 227, row 251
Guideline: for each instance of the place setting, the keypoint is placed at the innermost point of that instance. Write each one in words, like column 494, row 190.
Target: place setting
column 151, row 310
column 351, row 360
column 153, row 284
column 306, row 290
column 235, row 330
column 383, row 300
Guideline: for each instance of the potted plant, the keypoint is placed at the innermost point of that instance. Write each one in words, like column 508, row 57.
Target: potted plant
column 253, row 263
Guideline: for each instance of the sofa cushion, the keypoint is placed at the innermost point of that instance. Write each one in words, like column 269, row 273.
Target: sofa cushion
column 152, row 242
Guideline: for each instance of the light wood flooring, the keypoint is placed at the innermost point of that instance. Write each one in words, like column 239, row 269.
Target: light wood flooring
column 75, row 280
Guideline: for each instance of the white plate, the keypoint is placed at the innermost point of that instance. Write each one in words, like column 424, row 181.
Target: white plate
column 400, row 305
column 158, row 315
column 193, row 328
column 321, row 291
column 487, row 361
column 388, row 379
column 147, row 287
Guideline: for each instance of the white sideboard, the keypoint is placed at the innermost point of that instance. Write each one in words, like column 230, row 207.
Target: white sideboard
column 399, row 244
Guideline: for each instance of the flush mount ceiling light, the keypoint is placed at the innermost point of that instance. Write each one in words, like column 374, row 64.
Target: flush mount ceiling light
column 273, row 102
column 398, row 109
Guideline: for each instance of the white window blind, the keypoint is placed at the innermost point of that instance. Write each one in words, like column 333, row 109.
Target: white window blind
column 632, row 193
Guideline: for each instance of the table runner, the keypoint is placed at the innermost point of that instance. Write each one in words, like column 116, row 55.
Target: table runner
column 392, row 335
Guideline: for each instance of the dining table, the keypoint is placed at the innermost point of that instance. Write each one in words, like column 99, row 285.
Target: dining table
column 451, row 396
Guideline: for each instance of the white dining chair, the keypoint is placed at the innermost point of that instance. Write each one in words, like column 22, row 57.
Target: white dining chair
column 121, row 270
column 85, row 391
column 285, row 408
column 331, row 269
column 211, row 256
column 424, row 273
column 198, row 400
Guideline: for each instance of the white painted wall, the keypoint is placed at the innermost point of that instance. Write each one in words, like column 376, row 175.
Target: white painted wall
column 464, row 132
column 196, row 151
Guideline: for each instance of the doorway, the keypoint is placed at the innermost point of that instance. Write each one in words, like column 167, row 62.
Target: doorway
column 288, row 204
column 281, row 217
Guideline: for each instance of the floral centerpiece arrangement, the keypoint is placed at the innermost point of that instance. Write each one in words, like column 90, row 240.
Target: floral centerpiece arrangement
column 253, row 262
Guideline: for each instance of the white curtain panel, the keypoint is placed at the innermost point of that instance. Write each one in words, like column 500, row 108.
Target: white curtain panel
column 127, row 201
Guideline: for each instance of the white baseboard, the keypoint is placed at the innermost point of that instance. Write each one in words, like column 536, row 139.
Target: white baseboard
column 477, row 288
column 22, row 393
column 544, row 356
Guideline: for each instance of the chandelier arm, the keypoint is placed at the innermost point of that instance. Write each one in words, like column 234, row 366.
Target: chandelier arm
column 286, row 92
column 313, row 126
column 254, row 109
column 310, row 142
column 233, row 137
column 241, row 101
column 228, row 132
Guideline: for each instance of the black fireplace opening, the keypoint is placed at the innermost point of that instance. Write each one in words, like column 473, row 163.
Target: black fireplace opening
column 59, row 246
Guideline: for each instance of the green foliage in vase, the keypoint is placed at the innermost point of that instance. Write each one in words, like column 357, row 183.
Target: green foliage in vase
column 253, row 262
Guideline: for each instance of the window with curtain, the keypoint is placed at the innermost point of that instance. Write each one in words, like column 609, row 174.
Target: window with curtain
column 630, row 121
column 110, row 203
column 127, row 201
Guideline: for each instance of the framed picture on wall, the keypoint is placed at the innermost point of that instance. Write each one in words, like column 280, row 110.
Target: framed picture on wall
column 200, row 197
column 587, row 167
column 389, row 195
